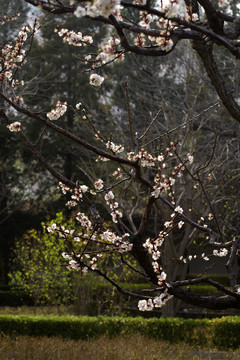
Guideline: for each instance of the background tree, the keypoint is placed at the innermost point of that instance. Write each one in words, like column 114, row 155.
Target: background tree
column 27, row 192
column 10, row 173
column 38, row 267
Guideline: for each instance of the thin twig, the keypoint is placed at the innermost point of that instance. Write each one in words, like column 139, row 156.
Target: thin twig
column 183, row 124
column 129, row 114
column 131, row 267
column 211, row 157
column 150, row 125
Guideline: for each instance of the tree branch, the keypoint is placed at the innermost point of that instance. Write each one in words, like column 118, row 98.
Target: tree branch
column 215, row 22
column 231, row 259
column 205, row 52
column 69, row 135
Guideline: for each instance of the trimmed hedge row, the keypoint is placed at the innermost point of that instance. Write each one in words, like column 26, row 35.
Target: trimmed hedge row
column 223, row 333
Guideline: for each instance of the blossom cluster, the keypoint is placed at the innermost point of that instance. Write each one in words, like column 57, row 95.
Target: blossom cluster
column 194, row 257
column 108, row 52
column 58, row 111
column 158, row 302
column 115, row 148
column 121, row 243
column 98, row 7
column 12, row 56
column 84, row 221
column 101, row 158
column 221, row 252
column 79, row 258
column 9, row 18
column 73, row 38
column 146, row 19
column 115, row 213
column 15, row 83
column 76, row 194
column 177, row 8
column 152, row 247
column 172, row 9
column 163, row 41
column 147, row 160
column 75, row 265
column 223, row 3
column 165, row 183
column 108, row 239
column 117, row 173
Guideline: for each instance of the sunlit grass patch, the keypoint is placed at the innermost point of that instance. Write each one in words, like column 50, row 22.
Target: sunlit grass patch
column 133, row 347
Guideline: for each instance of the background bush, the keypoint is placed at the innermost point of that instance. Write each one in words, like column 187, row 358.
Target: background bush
column 221, row 333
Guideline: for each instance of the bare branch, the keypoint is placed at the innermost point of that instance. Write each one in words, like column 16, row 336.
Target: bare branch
column 218, row 286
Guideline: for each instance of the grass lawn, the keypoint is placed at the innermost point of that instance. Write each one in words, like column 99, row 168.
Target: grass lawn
column 133, row 347
column 39, row 310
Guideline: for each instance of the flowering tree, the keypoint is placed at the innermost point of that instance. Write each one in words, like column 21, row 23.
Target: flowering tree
column 161, row 176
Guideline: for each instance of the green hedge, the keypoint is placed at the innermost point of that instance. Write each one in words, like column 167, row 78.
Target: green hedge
column 221, row 333
column 12, row 297
column 204, row 289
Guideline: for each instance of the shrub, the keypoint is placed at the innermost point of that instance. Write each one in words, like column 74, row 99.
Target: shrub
column 221, row 333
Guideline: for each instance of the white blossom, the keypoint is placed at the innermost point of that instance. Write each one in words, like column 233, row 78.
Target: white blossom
column 96, row 80
column 109, row 196
column 84, row 188
column 162, row 299
column 156, row 255
column 167, row 224
column 160, row 158
column 15, row 126
column 180, row 224
column 66, row 256
column 156, row 192
column 190, row 158
column 73, row 265
column 172, row 181
column 98, row 184
column 221, row 252
column 178, row 209
column 145, row 305
column 223, row 3
column 80, row 11
column 162, row 277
